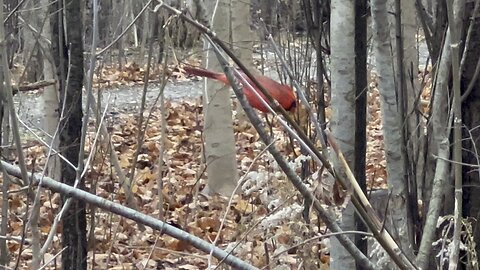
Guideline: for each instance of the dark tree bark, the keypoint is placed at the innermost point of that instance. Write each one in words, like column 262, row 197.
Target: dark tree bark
column 434, row 24
column 471, row 121
column 361, row 85
column 11, row 31
column 68, row 54
column 104, row 24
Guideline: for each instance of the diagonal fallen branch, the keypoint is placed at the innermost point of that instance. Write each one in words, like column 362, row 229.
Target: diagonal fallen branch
column 126, row 212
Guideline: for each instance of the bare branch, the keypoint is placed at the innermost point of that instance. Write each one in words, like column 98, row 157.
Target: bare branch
column 126, row 212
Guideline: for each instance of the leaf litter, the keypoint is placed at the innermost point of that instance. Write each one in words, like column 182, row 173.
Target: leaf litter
column 265, row 218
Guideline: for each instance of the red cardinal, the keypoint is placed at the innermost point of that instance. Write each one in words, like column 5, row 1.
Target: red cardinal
column 280, row 92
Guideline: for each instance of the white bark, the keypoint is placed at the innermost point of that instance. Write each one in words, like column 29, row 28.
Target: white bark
column 50, row 100
column 242, row 36
column 392, row 125
column 50, row 105
column 218, row 131
column 343, row 104
column 242, row 40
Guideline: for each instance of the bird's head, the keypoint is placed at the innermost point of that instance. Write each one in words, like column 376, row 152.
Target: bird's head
column 292, row 99
column 292, row 107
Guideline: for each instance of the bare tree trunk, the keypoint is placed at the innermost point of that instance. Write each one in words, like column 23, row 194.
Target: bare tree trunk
column 50, row 104
column 104, row 21
column 219, row 137
column 361, row 89
column 471, row 117
column 343, row 101
column 434, row 192
column 31, row 56
column 4, row 252
column 392, row 123
column 130, row 17
column 414, row 130
column 119, row 15
column 242, row 40
column 242, row 36
column 68, row 52
column 50, row 100
column 145, row 30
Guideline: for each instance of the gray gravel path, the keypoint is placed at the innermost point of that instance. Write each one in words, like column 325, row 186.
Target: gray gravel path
column 122, row 99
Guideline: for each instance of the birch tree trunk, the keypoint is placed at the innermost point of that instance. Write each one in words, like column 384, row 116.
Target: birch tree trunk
column 392, row 122
column 49, row 99
column 342, row 40
column 242, row 36
column 218, row 131
column 242, row 41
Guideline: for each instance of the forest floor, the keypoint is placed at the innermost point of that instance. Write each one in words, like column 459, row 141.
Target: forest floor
column 263, row 224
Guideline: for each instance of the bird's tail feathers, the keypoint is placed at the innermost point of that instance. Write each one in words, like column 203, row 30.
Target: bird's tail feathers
column 201, row 72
